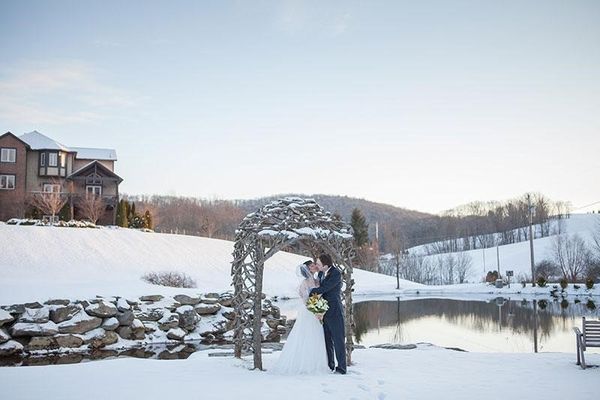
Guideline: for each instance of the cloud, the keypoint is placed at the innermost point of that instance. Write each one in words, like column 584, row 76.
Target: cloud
column 58, row 93
column 297, row 16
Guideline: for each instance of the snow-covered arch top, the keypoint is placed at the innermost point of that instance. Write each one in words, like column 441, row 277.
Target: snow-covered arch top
column 293, row 223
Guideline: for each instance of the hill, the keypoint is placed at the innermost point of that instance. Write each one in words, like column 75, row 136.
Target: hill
column 37, row 263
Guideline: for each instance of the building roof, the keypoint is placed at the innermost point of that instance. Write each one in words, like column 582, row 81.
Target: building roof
column 88, row 153
column 37, row 141
column 16, row 137
column 94, row 166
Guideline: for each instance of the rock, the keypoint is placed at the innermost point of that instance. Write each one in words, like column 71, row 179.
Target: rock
column 4, row 336
column 32, row 329
column 109, row 337
column 187, row 300
column 153, row 297
column 132, row 302
column 70, row 341
column 273, row 336
column 123, row 305
column 281, row 329
column 275, row 312
column 110, row 324
column 58, row 302
column 125, row 318
column 84, row 303
column 230, row 315
column 187, row 317
column 102, row 309
column 394, row 346
column 226, row 300
column 176, row 334
column 37, row 315
column 125, row 332
column 80, row 323
column 64, row 313
column 5, row 317
column 150, row 327
column 42, row 343
column 150, row 314
column 212, row 295
column 10, row 348
column 138, row 329
column 14, row 309
column 207, row 309
column 168, row 321
column 273, row 323
column 209, row 300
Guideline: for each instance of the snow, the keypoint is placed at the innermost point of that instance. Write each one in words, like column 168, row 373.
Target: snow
column 515, row 256
column 88, row 153
column 42, row 262
column 426, row 372
column 37, row 141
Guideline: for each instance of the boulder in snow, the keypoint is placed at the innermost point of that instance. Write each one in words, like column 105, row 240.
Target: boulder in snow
column 80, row 323
column 186, row 300
column 5, row 317
column 10, row 348
column 4, row 336
column 21, row 329
column 102, row 309
column 187, row 317
column 42, row 343
column 152, row 297
column 110, row 324
column 176, row 334
column 64, row 313
column 207, row 309
column 68, row 340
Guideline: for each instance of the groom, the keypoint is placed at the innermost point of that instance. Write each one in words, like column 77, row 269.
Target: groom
column 330, row 279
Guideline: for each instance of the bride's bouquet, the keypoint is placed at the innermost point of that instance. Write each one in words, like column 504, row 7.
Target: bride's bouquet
column 317, row 305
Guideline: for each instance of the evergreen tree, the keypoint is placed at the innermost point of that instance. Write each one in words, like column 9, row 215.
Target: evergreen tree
column 148, row 220
column 360, row 227
column 131, row 214
column 122, row 212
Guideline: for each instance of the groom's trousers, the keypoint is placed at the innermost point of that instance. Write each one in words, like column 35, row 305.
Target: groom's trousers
column 335, row 340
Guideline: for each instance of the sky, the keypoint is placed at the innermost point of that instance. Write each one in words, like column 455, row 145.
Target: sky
column 425, row 105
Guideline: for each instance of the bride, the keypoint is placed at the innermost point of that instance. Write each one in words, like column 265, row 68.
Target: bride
column 304, row 351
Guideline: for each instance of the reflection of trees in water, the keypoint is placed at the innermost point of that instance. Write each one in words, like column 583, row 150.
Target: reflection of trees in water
column 516, row 316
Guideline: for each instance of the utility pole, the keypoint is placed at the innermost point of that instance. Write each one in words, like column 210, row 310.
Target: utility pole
column 498, row 259
column 530, row 207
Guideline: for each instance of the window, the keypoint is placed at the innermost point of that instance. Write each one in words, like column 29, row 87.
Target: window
column 51, row 188
column 93, row 190
column 93, row 179
column 42, row 159
column 8, row 155
column 52, row 159
column 7, row 182
column 63, row 159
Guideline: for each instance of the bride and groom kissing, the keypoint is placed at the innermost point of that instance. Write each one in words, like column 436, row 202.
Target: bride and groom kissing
column 312, row 344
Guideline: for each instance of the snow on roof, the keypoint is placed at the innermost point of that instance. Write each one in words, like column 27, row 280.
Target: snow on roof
column 88, row 153
column 37, row 141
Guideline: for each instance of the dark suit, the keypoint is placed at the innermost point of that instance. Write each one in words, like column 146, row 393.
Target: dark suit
column 333, row 321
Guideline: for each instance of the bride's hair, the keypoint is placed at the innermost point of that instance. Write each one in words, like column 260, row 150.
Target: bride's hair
column 304, row 270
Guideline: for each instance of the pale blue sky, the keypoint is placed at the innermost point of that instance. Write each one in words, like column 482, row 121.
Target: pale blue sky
column 421, row 104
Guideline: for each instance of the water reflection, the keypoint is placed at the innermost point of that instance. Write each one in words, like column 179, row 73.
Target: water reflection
column 499, row 325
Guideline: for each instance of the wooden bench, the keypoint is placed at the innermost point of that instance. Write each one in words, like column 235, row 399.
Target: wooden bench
column 590, row 337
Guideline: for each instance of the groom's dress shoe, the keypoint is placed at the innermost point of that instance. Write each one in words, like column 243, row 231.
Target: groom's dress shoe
column 340, row 371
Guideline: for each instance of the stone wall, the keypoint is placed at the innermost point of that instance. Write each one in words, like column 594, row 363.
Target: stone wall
column 105, row 322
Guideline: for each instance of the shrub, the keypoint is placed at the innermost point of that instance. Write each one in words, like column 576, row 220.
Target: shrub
column 564, row 283
column 576, row 287
column 543, row 304
column 590, row 305
column 541, row 281
column 169, row 278
column 564, row 304
column 589, row 283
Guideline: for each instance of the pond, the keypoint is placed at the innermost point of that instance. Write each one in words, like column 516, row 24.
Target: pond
column 496, row 325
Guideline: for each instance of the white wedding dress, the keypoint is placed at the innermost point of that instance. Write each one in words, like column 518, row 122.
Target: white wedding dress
column 304, row 351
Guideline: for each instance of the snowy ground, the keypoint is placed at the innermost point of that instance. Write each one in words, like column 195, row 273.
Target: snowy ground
column 515, row 256
column 37, row 263
column 424, row 373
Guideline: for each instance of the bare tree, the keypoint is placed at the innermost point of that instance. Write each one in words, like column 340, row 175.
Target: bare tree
column 91, row 207
column 464, row 263
column 49, row 202
column 571, row 255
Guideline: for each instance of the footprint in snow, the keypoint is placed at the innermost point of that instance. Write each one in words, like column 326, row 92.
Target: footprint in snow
column 381, row 396
column 364, row 387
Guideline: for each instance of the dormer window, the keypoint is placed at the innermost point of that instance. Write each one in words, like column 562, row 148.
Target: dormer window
column 52, row 159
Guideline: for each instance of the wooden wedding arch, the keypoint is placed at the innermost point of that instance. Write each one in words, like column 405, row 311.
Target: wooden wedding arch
column 288, row 223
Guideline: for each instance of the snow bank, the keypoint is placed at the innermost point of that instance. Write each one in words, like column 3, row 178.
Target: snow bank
column 38, row 263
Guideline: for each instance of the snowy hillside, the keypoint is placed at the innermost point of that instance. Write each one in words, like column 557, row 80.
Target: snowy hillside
column 41, row 262
column 516, row 256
